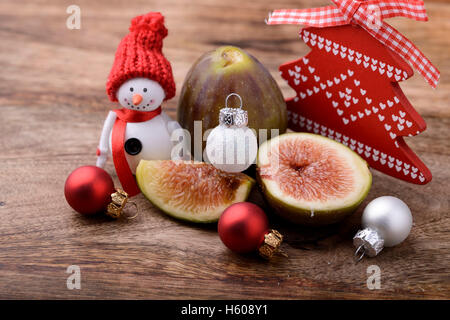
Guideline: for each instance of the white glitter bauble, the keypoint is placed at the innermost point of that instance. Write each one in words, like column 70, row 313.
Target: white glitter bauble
column 232, row 146
column 231, row 149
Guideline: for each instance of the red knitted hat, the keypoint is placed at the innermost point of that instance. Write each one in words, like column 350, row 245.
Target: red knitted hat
column 139, row 55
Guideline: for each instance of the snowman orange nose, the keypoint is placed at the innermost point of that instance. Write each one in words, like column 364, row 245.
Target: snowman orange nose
column 137, row 98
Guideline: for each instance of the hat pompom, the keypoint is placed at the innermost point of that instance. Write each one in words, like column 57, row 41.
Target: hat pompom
column 153, row 21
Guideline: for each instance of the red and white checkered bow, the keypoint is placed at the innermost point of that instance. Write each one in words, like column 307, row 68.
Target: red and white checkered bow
column 369, row 14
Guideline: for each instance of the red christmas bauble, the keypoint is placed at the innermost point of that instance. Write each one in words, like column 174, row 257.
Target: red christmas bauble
column 242, row 227
column 88, row 189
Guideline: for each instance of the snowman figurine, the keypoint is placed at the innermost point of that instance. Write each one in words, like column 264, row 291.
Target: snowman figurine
column 140, row 80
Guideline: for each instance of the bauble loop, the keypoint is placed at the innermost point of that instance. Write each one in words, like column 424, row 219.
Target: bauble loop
column 118, row 201
column 271, row 244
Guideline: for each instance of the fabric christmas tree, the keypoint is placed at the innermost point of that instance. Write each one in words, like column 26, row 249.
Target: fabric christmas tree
column 347, row 89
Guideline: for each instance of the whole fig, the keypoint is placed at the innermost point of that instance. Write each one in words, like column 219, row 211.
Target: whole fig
column 227, row 70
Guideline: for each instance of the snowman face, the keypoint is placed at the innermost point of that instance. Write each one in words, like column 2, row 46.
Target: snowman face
column 140, row 94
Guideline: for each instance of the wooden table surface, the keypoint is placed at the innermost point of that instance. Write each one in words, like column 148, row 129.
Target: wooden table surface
column 53, row 104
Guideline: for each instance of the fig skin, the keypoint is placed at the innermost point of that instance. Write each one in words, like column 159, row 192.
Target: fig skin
column 303, row 216
column 227, row 70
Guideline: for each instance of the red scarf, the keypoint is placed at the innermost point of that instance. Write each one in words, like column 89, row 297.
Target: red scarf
column 123, row 170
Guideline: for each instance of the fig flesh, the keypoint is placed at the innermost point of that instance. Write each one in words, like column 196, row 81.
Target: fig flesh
column 192, row 191
column 310, row 179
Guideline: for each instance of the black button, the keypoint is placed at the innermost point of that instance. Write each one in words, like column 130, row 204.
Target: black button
column 133, row 146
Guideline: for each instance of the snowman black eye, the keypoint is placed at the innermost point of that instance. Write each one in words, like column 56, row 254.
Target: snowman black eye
column 145, row 89
column 131, row 89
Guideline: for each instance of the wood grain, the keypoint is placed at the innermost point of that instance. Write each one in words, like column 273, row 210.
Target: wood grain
column 53, row 103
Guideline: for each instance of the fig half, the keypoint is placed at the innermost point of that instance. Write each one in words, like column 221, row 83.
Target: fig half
column 192, row 191
column 310, row 179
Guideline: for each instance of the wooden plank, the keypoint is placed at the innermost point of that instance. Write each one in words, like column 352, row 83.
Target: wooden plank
column 53, row 103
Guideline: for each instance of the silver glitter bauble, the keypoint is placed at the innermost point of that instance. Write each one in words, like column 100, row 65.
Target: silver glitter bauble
column 387, row 221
